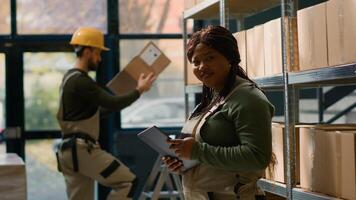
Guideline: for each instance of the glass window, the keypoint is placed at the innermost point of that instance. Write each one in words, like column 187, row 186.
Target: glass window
column 60, row 16
column 5, row 17
column 43, row 179
column 163, row 105
column 2, row 100
column 43, row 74
column 150, row 16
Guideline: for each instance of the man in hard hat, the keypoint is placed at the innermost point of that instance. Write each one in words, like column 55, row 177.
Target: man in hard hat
column 80, row 157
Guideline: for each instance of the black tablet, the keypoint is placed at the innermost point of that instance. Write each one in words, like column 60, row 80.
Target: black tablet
column 157, row 140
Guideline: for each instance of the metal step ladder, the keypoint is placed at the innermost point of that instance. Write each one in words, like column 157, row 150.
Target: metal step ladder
column 159, row 177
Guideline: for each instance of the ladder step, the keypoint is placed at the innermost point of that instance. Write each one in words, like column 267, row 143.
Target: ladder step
column 159, row 177
column 164, row 194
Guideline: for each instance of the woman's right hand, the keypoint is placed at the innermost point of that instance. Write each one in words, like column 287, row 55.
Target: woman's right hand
column 173, row 164
column 145, row 82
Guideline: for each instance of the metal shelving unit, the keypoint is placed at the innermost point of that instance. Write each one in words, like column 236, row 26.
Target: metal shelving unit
column 297, row 193
column 209, row 9
column 289, row 82
column 336, row 75
column 223, row 10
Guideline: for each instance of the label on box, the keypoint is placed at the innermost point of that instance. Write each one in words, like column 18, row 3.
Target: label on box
column 150, row 54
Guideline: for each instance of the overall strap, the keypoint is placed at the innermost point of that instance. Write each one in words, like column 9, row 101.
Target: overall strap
column 66, row 79
column 215, row 106
column 61, row 106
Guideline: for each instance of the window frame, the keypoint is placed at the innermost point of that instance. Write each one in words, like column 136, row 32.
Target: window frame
column 14, row 46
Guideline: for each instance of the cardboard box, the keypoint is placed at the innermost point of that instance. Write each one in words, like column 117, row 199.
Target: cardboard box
column 328, row 160
column 312, row 40
column 12, row 177
column 191, row 78
column 255, row 52
column 273, row 47
column 341, row 26
column 150, row 59
column 189, row 4
column 241, row 43
column 198, row 1
column 278, row 150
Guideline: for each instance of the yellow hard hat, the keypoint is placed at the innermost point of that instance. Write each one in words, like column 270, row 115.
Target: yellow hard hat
column 87, row 36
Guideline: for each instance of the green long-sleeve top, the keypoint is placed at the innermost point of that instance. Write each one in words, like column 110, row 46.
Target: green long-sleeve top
column 238, row 136
column 82, row 97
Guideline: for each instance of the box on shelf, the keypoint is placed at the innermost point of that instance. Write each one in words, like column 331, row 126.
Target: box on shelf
column 341, row 25
column 150, row 59
column 312, row 40
column 241, row 43
column 328, row 159
column 189, row 3
column 191, row 78
column 255, row 52
column 277, row 174
column 12, row 177
column 273, row 47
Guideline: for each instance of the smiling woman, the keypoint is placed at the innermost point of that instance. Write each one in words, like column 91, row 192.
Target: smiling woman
column 229, row 132
column 210, row 66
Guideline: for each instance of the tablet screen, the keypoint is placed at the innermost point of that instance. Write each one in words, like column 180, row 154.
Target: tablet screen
column 157, row 140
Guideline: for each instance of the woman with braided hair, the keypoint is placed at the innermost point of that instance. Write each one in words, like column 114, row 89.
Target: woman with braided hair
column 229, row 132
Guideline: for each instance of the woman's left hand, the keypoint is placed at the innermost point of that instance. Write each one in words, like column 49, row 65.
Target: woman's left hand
column 182, row 147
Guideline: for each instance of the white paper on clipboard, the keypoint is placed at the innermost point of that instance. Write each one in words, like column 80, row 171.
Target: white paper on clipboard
column 150, row 54
column 157, row 140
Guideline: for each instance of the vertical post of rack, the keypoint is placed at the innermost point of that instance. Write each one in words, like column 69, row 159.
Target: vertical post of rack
column 320, row 104
column 290, row 59
column 240, row 22
column 185, row 63
column 224, row 13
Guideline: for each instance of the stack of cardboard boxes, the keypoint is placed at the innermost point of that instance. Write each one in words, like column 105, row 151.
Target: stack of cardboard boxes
column 241, row 41
column 272, row 47
column 277, row 173
column 191, row 3
column 325, row 158
column 326, row 38
column 328, row 159
column 312, row 39
column 188, row 4
column 341, row 31
column 255, row 52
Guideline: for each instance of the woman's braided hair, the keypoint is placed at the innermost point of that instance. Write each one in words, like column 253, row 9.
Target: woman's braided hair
column 220, row 39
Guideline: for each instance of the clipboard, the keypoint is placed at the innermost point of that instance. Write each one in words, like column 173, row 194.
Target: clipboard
column 157, row 140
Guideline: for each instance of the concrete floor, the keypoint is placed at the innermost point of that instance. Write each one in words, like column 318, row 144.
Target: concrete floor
column 43, row 183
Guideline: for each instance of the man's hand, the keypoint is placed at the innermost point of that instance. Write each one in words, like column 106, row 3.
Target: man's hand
column 182, row 147
column 144, row 82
